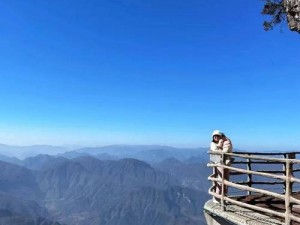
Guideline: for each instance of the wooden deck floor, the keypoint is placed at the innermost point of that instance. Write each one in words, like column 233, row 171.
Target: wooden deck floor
column 271, row 203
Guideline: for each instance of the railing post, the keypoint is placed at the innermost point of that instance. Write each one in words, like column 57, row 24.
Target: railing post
column 223, row 178
column 288, row 188
column 216, row 159
column 249, row 180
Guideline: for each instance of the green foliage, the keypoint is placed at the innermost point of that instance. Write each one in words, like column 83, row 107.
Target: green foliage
column 276, row 10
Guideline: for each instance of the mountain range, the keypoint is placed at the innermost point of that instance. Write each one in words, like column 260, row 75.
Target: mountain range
column 149, row 153
column 53, row 189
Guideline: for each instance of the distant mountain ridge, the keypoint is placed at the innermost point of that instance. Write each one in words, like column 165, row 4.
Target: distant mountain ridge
column 148, row 153
column 86, row 190
column 23, row 152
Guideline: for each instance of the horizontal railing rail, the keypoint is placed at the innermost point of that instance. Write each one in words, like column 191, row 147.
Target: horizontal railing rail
column 285, row 177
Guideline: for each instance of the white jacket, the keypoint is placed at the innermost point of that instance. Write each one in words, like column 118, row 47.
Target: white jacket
column 226, row 145
column 215, row 146
column 222, row 146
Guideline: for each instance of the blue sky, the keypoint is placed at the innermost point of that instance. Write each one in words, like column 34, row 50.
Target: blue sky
column 167, row 72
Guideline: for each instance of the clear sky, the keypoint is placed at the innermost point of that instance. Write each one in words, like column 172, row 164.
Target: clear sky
column 97, row 72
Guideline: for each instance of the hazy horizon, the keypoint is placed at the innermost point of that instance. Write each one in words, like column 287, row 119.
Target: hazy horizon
column 78, row 147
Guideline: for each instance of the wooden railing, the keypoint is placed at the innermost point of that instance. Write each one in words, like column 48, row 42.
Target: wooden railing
column 278, row 182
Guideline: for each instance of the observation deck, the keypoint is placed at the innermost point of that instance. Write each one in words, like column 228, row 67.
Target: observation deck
column 263, row 188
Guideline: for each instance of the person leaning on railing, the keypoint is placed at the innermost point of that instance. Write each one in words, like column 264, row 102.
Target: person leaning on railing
column 226, row 147
column 215, row 146
column 221, row 143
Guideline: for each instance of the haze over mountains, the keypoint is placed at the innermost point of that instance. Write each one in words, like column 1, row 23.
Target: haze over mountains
column 120, row 151
column 22, row 152
column 113, row 185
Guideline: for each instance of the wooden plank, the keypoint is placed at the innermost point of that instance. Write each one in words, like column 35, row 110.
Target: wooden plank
column 249, row 176
column 288, row 189
column 247, row 172
column 257, row 162
column 211, row 164
column 294, row 200
column 258, row 208
column 263, row 162
column 254, row 172
column 297, row 219
column 242, row 204
column 223, row 189
column 294, row 179
column 295, row 161
column 267, row 159
column 260, row 182
column 266, row 153
column 270, row 171
column 257, row 190
column 215, row 179
column 246, row 188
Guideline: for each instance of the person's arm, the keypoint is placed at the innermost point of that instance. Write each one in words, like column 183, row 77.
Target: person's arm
column 214, row 147
column 227, row 145
column 220, row 144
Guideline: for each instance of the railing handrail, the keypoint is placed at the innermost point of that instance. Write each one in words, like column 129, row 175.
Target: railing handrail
column 267, row 153
column 287, row 177
column 247, row 156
